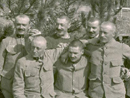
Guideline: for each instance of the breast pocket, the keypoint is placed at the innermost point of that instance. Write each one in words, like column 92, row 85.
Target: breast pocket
column 115, row 68
column 117, row 83
column 30, row 78
column 94, row 82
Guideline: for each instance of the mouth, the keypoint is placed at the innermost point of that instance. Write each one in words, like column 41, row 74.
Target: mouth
column 21, row 30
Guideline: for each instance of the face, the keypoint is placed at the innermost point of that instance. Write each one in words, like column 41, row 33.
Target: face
column 22, row 25
column 38, row 48
column 63, row 26
column 75, row 53
column 106, row 33
column 93, row 29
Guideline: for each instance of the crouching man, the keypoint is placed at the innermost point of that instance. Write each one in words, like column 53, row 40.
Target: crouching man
column 33, row 76
column 71, row 77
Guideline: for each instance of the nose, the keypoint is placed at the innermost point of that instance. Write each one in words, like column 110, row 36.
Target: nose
column 35, row 50
column 21, row 26
column 102, row 34
column 91, row 29
column 72, row 55
column 59, row 26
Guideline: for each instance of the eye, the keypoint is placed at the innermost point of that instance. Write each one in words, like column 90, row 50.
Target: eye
column 94, row 27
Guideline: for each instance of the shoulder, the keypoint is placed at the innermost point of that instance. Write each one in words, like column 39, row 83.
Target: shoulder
column 21, row 62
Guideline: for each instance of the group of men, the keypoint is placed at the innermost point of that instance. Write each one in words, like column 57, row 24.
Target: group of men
column 60, row 66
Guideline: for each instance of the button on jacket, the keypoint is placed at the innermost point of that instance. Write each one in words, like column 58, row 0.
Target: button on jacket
column 71, row 77
column 33, row 79
column 106, row 61
column 11, row 49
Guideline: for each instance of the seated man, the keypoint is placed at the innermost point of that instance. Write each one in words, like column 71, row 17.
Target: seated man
column 71, row 77
column 33, row 75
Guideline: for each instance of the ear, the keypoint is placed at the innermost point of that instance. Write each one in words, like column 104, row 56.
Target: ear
column 82, row 51
column 69, row 24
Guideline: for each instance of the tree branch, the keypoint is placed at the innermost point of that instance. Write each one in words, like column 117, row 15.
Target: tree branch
column 29, row 7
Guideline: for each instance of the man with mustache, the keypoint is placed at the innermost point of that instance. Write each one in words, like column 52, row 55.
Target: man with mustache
column 61, row 36
column 11, row 49
column 106, row 64
column 71, row 76
column 33, row 75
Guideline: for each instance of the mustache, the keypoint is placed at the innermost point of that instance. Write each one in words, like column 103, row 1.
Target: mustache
column 21, row 29
column 59, row 29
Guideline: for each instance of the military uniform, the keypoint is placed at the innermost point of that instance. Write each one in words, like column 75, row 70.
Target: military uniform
column 11, row 49
column 106, row 62
column 71, row 79
column 53, row 41
column 34, row 79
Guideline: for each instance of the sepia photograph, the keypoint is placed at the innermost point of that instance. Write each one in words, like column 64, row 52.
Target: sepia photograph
column 64, row 48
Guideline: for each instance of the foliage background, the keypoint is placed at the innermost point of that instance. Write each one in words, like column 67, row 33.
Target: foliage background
column 43, row 13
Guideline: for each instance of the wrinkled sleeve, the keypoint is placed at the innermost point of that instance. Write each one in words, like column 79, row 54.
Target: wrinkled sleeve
column 54, row 54
column 18, row 83
column 2, row 55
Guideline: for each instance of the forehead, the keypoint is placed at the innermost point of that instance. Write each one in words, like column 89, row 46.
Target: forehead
column 22, row 20
column 38, row 43
column 62, row 20
column 74, row 49
column 108, row 28
column 93, row 24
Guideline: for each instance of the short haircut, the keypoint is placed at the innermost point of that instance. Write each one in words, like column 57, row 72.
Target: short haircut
column 76, row 43
column 22, row 16
column 39, row 38
column 110, row 24
column 64, row 17
column 94, row 19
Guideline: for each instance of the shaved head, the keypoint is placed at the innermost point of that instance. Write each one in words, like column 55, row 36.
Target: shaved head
column 39, row 39
column 39, row 44
column 109, row 25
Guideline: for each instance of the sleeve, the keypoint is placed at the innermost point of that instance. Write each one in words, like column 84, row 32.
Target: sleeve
column 18, row 83
column 55, row 54
column 126, row 51
column 2, row 55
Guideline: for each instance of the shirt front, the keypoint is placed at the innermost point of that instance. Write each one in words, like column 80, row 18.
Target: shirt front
column 71, row 78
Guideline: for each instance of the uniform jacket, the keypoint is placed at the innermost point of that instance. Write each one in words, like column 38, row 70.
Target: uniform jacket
column 53, row 41
column 70, row 77
column 11, row 49
column 34, row 79
column 106, row 61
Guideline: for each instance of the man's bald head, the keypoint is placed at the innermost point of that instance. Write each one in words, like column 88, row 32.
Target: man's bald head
column 107, row 32
column 111, row 26
column 39, row 39
column 39, row 45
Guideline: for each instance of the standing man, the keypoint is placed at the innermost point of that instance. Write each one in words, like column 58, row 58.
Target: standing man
column 92, row 29
column 106, row 61
column 11, row 49
column 71, row 77
column 61, row 36
column 33, row 75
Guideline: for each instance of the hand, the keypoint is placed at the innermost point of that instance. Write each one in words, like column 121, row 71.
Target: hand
column 125, row 74
column 34, row 32
column 62, row 45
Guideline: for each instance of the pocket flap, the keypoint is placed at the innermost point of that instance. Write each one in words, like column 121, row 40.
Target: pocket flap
column 29, row 74
column 92, row 77
column 116, row 62
column 117, row 80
